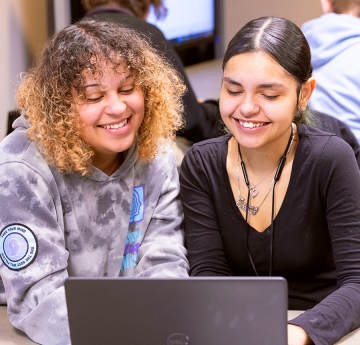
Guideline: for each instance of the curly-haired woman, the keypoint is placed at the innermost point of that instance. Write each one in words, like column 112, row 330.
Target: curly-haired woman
column 88, row 181
column 201, row 118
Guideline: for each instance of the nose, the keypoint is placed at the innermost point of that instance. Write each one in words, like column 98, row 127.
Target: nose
column 115, row 105
column 248, row 106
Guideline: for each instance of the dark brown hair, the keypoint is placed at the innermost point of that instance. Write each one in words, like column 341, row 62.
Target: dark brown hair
column 284, row 42
column 138, row 7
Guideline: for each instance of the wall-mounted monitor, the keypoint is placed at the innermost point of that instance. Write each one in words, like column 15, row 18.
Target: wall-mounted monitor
column 189, row 25
column 187, row 21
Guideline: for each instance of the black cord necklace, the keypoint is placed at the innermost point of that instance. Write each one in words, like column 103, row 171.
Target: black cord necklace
column 277, row 175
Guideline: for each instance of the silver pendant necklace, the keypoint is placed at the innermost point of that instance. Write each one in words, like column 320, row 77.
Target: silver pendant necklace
column 254, row 191
column 241, row 203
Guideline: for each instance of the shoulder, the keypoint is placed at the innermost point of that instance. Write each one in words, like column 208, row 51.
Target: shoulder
column 133, row 22
column 324, row 147
column 158, row 177
column 21, row 156
column 17, row 147
column 146, row 27
column 318, row 134
column 165, row 157
column 209, row 148
column 310, row 24
column 163, row 164
column 205, row 157
column 331, row 124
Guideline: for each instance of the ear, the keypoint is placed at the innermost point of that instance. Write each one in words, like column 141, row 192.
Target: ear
column 326, row 6
column 305, row 93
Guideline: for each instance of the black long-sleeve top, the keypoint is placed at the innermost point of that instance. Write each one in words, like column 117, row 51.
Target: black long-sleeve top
column 316, row 231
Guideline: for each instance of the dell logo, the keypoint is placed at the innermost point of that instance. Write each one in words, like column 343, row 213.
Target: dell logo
column 178, row 339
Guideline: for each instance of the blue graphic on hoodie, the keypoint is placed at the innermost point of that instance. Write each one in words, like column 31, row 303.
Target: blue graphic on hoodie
column 133, row 239
column 138, row 205
column 132, row 245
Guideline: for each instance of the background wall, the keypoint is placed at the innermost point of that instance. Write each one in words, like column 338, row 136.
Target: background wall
column 23, row 30
column 236, row 13
column 25, row 26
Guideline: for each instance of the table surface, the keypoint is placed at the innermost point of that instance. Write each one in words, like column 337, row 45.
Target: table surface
column 8, row 334
column 11, row 336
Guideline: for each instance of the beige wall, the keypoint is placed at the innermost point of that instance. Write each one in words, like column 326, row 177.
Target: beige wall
column 237, row 13
column 23, row 31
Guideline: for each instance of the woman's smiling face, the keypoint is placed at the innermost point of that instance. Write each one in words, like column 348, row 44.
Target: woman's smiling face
column 111, row 113
column 258, row 99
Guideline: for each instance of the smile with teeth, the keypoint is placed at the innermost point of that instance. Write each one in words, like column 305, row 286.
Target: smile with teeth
column 251, row 124
column 116, row 125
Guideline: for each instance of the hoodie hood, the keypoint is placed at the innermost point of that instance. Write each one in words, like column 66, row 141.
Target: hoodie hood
column 329, row 35
column 21, row 122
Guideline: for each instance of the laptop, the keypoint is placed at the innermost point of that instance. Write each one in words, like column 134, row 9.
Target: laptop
column 192, row 311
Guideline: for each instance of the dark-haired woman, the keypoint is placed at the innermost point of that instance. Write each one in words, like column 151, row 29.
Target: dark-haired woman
column 89, row 186
column 276, row 196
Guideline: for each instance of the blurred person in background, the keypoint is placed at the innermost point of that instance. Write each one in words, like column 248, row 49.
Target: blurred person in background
column 334, row 40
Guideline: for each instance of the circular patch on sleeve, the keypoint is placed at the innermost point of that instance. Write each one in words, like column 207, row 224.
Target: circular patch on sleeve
column 18, row 246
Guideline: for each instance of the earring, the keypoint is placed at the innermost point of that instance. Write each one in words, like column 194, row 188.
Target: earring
column 302, row 107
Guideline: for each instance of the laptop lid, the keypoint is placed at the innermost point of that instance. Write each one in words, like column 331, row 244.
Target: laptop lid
column 192, row 311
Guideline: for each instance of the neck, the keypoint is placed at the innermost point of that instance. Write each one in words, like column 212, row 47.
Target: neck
column 353, row 12
column 108, row 165
column 263, row 158
column 113, row 4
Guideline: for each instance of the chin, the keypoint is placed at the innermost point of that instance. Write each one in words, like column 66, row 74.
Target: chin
column 124, row 147
column 243, row 140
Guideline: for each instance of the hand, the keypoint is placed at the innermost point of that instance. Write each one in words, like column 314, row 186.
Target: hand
column 297, row 336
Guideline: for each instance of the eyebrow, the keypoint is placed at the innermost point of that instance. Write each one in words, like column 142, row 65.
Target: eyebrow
column 260, row 86
column 97, row 84
column 91, row 85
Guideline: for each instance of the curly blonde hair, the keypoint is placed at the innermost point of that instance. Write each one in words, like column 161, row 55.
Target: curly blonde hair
column 46, row 99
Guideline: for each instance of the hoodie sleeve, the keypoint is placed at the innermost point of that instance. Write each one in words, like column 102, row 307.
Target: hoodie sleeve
column 162, row 252
column 33, row 264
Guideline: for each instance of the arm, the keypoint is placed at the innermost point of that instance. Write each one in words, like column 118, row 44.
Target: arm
column 203, row 237
column 297, row 336
column 162, row 252
column 339, row 313
column 34, row 290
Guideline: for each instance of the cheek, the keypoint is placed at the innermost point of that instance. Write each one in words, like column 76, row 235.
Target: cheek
column 141, row 108
column 138, row 103
column 89, row 114
column 227, row 105
column 289, row 108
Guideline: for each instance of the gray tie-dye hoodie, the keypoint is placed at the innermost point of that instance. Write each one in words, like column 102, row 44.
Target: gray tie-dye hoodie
column 55, row 225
